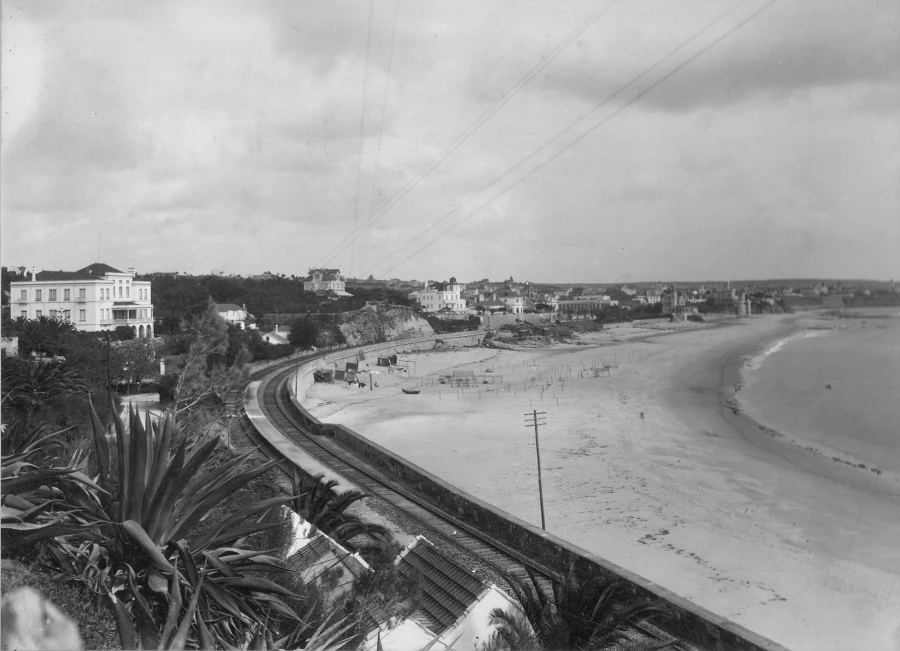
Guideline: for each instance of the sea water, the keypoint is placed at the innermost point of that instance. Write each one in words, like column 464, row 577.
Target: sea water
column 834, row 389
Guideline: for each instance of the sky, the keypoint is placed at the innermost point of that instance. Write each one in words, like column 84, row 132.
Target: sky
column 563, row 141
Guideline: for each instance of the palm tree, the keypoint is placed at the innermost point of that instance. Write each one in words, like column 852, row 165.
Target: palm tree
column 29, row 385
column 319, row 504
column 590, row 611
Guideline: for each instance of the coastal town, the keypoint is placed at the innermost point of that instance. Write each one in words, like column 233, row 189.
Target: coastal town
column 428, row 326
column 189, row 345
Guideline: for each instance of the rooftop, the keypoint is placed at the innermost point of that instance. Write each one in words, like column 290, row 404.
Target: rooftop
column 448, row 589
column 90, row 272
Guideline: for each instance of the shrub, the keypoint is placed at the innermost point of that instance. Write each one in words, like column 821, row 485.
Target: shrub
column 125, row 333
column 123, row 536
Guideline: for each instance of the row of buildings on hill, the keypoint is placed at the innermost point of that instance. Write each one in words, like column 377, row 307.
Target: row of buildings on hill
column 100, row 297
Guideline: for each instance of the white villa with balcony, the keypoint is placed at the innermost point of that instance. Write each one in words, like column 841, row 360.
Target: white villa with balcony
column 325, row 280
column 439, row 296
column 93, row 299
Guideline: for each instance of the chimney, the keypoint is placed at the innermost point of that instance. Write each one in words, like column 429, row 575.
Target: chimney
column 131, row 270
column 33, row 276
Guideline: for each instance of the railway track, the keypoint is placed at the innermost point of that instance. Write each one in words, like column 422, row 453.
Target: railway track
column 487, row 557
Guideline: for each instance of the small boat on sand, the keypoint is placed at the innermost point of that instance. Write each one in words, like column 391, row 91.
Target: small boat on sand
column 412, row 392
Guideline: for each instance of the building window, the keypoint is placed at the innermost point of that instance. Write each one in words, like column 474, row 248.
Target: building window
column 52, row 294
column 82, row 293
column 107, row 293
column 120, row 290
column 37, row 295
column 82, row 315
column 24, row 295
column 38, row 314
column 67, row 314
column 128, row 291
column 24, row 314
column 67, row 294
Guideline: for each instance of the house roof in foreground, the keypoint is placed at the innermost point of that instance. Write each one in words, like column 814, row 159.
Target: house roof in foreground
column 228, row 307
column 447, row 588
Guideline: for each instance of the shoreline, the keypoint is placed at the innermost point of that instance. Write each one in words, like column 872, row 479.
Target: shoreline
column 650, row 469
column 816, row 458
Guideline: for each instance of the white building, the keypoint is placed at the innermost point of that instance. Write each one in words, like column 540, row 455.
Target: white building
column 323, row 280
column 513, row 300
column 630, row 291
column 653, row 296
column 95, row 298
column 233, row 314
column 586, row 303
column 440, row 296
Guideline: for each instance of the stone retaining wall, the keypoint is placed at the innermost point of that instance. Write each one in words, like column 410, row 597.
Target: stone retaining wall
column 692, row 622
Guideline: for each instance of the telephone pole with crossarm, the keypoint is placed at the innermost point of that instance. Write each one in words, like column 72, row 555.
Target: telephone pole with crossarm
column 534, row 419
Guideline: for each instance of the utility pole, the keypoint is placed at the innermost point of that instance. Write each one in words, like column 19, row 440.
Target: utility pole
column 108, row 371
column 534, row 419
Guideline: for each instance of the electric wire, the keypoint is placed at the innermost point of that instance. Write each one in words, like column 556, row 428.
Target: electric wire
column 578, row 139
column 362, row 123
column 384, row 104
column 463, row 136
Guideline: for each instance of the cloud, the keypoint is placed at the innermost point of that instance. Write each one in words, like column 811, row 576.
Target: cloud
column 227, row 134
column 768, row 58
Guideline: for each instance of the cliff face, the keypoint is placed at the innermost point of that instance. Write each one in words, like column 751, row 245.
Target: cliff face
column 377, row 323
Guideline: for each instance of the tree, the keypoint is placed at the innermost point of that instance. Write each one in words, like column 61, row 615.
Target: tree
column 134, row 361
column 304, row 333
column 319, row 504
column 125, row 333
column 44, row 335
column 206, row 377
column 28, row 385
column 588, row 611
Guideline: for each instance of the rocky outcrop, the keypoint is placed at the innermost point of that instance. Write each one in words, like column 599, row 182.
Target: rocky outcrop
column 378, row 323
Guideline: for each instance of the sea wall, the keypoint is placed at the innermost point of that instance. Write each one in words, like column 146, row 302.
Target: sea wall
column 490, row 321
column 692, row 622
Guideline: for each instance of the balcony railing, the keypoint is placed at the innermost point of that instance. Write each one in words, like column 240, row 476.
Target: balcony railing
column 134, row 321
column 21, row 300
column 81, row 299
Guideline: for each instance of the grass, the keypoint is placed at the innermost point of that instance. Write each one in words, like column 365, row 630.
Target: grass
column 94, row 619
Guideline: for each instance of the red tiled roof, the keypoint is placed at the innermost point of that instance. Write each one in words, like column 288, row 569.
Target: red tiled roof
column 447, row 588
column 90, row 272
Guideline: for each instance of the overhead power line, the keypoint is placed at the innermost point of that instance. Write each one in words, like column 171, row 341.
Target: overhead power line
column 384, row 102
column 462, row 137
column 579, row 138
column 362, row 122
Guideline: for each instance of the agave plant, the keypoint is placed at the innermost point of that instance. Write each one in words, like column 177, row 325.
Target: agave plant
column 39, row 503
column 123, row 534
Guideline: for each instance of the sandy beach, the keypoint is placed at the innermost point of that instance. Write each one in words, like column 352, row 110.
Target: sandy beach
column 655, row 467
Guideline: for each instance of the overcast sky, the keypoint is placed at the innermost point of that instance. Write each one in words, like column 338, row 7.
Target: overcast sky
column 253, row 136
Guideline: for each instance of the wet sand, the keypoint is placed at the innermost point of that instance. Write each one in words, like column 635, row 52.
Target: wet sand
column 651, row 468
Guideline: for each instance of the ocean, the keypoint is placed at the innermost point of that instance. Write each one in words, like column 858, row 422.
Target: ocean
column 833, row 386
